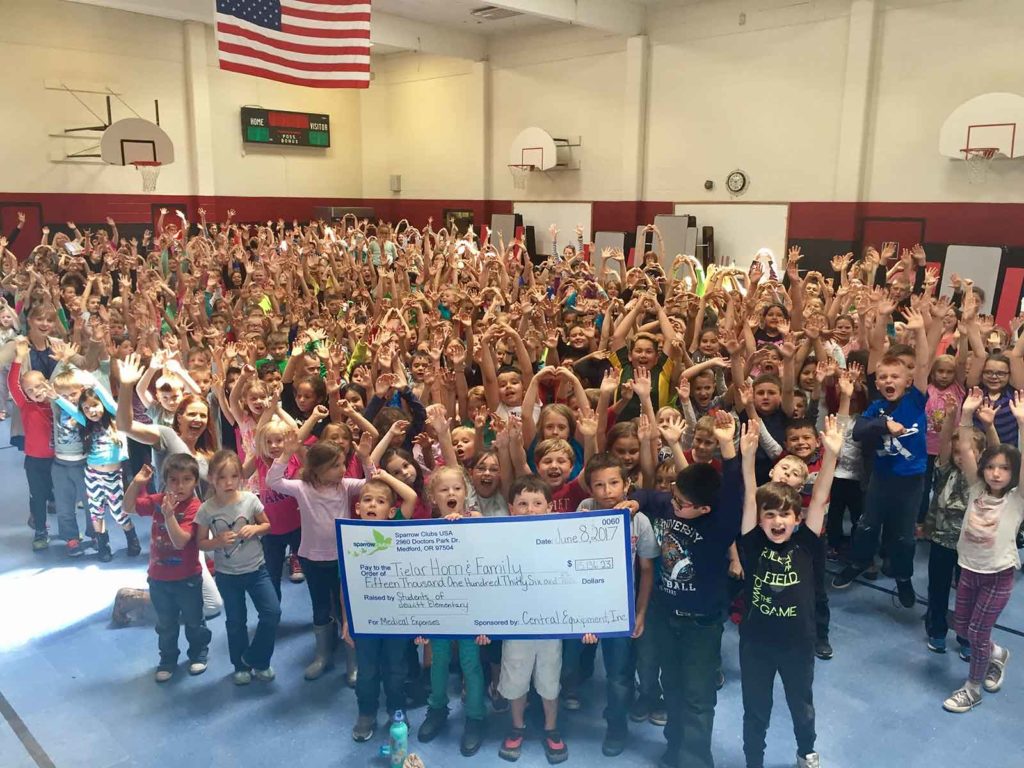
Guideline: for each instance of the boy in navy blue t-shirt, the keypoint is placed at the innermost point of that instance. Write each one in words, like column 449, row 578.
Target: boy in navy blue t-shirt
column 893, row 429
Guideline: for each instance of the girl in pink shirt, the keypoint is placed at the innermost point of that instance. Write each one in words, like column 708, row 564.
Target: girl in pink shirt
column 323, row 494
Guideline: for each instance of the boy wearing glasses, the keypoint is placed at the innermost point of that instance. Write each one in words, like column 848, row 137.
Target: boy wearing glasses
column 693, row 527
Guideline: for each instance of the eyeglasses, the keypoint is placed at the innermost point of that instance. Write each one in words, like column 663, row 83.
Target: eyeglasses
column 681, row 505
column 996, row 374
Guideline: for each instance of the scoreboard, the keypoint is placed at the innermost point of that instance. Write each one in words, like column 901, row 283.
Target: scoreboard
column 296, row 129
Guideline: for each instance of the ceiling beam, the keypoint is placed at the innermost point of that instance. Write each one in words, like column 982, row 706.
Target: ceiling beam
column 385, row 28
column 618, row 16
column 425, row 38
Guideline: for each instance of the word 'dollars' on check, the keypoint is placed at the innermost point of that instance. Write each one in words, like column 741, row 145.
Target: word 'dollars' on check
column 544, row 576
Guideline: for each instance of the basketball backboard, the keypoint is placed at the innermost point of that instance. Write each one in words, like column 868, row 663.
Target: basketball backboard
column 135, row 140
column 992, row 120
column 534, row 146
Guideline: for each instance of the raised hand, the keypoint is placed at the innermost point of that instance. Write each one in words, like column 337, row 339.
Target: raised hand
column 973, row 401
column 672, row 430
column 725, row 427
column 642, row 382
column 610, row 382
column 750, row 437
column 1017, row 406
column 986, row 413
column 683, row 389
column 832, row 435
column 130, row 369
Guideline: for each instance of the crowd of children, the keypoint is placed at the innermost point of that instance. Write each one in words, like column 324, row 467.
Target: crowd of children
column 244, row 386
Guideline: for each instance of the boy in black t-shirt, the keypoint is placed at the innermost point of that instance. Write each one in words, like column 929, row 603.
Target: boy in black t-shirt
column 778, row 631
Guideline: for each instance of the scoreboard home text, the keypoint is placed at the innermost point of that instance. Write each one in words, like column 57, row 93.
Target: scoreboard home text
column 296, row 129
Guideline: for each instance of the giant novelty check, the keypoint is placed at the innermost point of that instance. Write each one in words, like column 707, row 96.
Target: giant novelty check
column 515, row 577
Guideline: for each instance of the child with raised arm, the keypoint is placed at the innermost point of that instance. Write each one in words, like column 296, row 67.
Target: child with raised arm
column 894, row 426
column 324, row 494
column 694, row 528
column 175, row 575
column 986, row 552
column 777, row 635
column 31, row 394
column 237, row 520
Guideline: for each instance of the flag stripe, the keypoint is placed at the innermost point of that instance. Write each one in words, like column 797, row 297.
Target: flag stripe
column 352, row 55
column 324, row 30
column 360, row 18
column 292, row 62
column 317, row 43
column 346, row 6
column 292, row 42
column 289, row 70
column 284, row 78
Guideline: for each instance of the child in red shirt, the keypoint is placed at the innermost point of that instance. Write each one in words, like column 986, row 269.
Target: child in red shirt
column 175, row 575
column 30, row 396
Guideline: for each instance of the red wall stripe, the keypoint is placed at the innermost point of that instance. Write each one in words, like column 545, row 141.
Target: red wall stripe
column 995, row 224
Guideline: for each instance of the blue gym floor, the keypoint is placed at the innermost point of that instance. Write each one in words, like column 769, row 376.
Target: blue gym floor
column 84, row 691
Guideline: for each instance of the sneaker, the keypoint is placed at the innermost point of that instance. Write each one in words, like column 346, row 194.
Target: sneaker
column 554, row 748
column 197, row 667
column 847, row 576
column 937, row 644
column 571, row 700
column 823, row 649
column 659, row 715
column 472, row 737
column 965, row 653
column 364, row 728
column 266, row 675
column 73, row 548
column 614, row 740
column 871, row 574
column 163, row 675
column 996, row 671
column 512, row 745
column 905, row 591
column 810, row 760
column 961, row 700
column 40, row 542
column 639, row 711
column 242, row 677
column 433, row 724
column 295, row 574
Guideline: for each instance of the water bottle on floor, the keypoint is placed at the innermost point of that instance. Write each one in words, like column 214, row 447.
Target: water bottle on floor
column 399, row 740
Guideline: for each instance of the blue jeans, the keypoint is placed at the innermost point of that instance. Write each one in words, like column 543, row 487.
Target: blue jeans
column 380, row 658
column 891, row 502
column 179, row 603
column 273, row 554
column 246, row 655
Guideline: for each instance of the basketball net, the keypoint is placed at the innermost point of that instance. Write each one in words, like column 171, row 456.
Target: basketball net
column 979, row 159
column 520, row 173
column 150, row 171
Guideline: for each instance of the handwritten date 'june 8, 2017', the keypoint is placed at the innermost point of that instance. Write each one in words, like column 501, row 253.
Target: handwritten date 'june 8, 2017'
column 586, row 533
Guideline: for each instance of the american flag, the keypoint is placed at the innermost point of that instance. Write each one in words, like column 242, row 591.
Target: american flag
column 317, row 43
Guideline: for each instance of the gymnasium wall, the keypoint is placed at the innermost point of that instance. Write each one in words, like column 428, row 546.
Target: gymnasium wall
column 767, row 96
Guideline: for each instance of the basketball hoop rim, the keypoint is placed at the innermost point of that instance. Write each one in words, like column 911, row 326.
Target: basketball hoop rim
column 146, row 163
column 986, row 152
column 522, row 166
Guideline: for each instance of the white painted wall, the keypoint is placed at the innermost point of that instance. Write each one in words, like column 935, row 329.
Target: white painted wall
column 937, row 56
column 42, row 40
column 422, row 118
column 765, row 96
